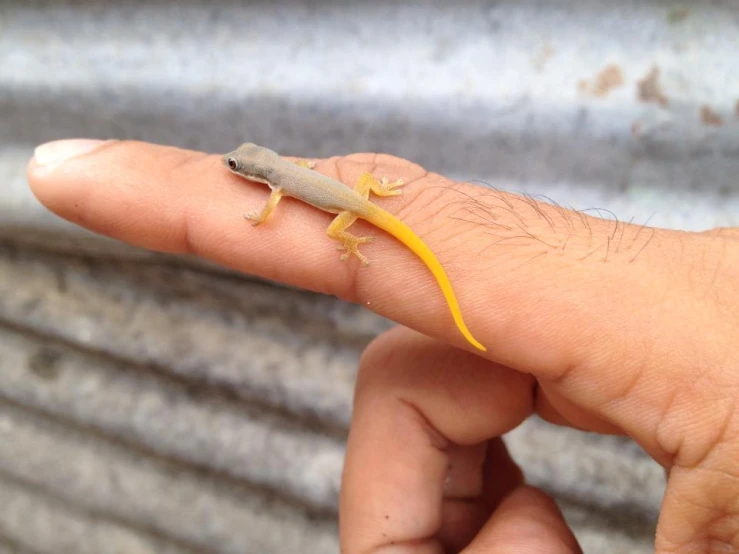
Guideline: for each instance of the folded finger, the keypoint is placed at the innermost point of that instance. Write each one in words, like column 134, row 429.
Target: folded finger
column 424, row 412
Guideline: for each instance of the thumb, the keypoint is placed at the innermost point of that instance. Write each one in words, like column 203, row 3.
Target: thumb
column 527, row 520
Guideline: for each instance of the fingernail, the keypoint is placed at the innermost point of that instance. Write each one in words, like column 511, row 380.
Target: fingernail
column 59, row 151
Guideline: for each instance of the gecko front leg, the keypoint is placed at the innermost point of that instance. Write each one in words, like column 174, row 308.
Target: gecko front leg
column 260, row 217
column 368, row 183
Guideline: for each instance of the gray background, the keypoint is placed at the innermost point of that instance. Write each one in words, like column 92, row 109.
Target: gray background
column 153, row 404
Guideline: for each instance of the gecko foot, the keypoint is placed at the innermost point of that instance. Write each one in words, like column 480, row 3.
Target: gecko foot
column 305, row 163
column 254, row 218
column 385, row 188
column 351, row 245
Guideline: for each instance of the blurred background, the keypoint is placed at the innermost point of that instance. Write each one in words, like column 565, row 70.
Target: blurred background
column 150, row 403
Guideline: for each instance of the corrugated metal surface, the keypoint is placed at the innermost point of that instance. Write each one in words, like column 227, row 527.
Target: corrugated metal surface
column 121, row 432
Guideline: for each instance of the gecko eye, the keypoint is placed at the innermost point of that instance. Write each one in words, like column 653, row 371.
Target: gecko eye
column 232, row 164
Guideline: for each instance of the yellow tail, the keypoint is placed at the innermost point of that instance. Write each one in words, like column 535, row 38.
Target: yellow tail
column 391, row 224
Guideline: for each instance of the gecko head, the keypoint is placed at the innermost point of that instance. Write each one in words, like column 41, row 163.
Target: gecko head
column 251, row 161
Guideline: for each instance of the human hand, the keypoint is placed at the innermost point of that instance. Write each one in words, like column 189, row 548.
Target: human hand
column 605, row 327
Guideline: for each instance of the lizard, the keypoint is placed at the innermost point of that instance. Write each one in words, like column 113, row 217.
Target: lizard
column 299, row 181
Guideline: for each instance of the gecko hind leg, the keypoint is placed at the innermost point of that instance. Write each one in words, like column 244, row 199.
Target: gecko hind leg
column 369, row 183
column 348, row 242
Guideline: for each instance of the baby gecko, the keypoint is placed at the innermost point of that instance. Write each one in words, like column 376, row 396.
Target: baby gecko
column 297, row 180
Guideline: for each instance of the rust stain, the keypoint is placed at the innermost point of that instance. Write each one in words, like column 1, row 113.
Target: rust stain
column 608, row 79
column 710, row 118
column 650, row 90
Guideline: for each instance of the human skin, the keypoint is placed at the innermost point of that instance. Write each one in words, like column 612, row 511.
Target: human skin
column 610, row 328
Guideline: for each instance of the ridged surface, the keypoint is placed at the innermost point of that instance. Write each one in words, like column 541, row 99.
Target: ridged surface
column 212, row 411
column 150, row 404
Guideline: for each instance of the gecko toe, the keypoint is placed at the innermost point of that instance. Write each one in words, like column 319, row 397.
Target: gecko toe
column 384, row 187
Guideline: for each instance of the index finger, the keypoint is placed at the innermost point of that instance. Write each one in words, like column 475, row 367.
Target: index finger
column 184, row 202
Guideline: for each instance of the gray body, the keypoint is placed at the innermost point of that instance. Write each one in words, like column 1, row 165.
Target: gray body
column 263, row 165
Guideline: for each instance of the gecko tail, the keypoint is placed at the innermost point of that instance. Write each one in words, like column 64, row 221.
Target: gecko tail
column 392, row 225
